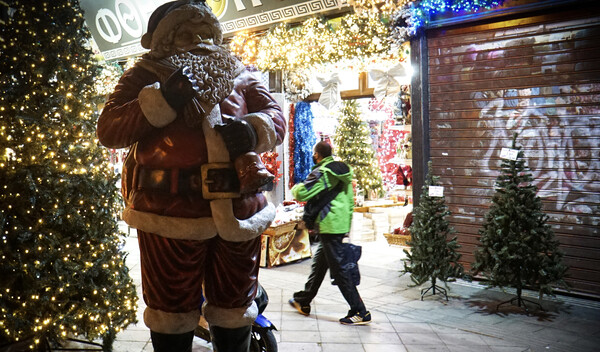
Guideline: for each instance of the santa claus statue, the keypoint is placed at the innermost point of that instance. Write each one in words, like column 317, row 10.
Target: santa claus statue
column 194, row 119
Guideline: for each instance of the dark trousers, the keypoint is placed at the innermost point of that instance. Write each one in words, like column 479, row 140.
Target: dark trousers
column 328, row 256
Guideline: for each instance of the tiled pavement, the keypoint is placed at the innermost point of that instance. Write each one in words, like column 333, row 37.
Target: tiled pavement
column 401, row 321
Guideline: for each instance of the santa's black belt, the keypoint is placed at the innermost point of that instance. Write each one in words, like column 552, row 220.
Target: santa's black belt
column 213, row 180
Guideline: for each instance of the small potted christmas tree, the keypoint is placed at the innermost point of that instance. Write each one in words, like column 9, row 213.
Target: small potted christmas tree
column 518, row 248
column 433, row 257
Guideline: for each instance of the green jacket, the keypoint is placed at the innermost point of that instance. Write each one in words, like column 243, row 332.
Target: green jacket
column 336, row 217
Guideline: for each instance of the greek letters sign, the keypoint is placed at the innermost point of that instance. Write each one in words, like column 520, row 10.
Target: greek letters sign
column 118, row 25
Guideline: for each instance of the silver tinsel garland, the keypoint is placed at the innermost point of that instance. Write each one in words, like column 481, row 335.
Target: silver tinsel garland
column 404, row 25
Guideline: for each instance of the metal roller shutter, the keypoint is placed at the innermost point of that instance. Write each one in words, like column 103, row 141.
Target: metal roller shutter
column 537, row 76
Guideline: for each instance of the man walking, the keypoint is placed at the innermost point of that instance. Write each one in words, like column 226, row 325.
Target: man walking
column 333, row 224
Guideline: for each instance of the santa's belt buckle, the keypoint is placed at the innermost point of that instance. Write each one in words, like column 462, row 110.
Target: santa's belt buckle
column 219, row 181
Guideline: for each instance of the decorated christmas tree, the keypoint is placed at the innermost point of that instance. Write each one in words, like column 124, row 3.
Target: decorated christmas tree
column 63, row 271
column 433, row 255
column 354, row 146
column 518, row 248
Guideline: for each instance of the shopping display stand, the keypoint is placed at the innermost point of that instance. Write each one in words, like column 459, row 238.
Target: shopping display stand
column 375, row 219
column 284, row 243
column 366, row 209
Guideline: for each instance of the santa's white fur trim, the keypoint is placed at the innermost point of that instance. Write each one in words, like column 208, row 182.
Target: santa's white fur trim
column 223, row 223
column 215, row 145
column 154, row 106
column 233, row 229
column 265, row 130
column 171, row 227
column 232, row 318
column 228, row 226
column 171, row 323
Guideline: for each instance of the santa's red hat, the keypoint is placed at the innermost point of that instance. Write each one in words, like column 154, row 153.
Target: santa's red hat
column 170, row 14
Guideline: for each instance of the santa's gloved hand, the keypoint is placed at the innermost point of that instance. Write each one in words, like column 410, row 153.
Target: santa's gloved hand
column 240, row 137
column 180, row 88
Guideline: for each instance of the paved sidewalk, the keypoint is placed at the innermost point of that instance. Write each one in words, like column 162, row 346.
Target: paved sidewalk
column 401, row 321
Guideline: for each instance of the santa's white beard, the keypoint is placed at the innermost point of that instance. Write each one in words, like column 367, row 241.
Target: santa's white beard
column 214, row 73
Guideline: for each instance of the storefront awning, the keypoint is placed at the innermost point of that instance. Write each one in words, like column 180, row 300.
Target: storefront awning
column 117, row 25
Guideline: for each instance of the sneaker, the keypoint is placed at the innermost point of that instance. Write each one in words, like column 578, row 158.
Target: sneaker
column 357, row 319
column 304, row 310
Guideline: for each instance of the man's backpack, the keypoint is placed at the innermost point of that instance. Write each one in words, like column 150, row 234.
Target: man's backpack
column 317, row 203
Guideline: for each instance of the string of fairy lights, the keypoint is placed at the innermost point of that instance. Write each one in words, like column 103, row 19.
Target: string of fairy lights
column 383, row 6
column 376, row 30
column 62, row 271
column 318, row 41
column 371, row 31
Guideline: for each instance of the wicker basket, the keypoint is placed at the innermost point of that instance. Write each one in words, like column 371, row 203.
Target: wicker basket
column 397, row 240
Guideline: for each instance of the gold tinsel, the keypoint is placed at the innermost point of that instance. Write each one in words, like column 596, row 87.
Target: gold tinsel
column 245, row 46
column 317, row 42
column 377, row 6
column 276, row 50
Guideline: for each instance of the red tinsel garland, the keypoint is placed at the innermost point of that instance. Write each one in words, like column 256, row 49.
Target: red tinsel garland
column 292, row 143
column 271, row 163
column 386, row 150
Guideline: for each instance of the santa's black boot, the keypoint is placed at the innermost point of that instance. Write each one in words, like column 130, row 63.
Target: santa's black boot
column 231, row 340
column 172, row 342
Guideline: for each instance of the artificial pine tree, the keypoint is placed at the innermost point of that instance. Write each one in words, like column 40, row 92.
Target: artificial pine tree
column 432, row 257
column 62, row 268
column 518, row 248
column 354, row 146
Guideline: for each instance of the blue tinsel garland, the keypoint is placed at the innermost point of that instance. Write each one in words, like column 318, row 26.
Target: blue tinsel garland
column 305, row 139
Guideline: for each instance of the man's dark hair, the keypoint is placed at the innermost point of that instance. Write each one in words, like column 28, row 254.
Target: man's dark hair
column 323, row 148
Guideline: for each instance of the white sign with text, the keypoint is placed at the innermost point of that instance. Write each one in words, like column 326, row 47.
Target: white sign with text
column 436, row 191
column 508, row 153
